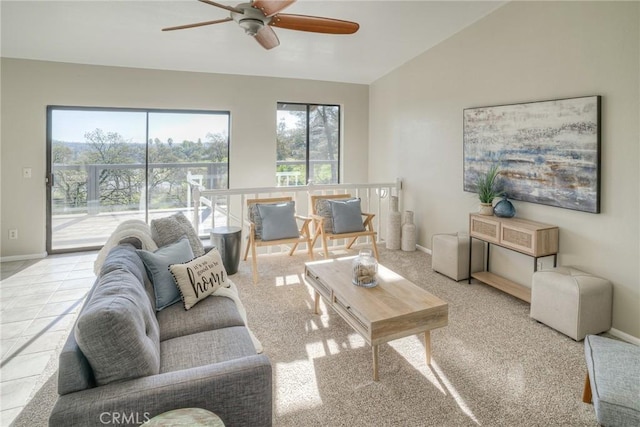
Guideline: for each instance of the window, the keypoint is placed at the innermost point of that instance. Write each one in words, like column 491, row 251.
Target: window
column 109, row 165
column 308, row 144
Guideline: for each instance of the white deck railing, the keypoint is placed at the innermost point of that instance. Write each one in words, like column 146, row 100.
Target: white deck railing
column 229, row 206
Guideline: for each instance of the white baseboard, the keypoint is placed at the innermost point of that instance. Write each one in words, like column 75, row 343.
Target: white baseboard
column 23, row 257
column 615, row 332
column 624, row 336
column 423, row 249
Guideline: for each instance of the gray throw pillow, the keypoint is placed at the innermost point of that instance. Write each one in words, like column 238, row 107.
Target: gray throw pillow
column 170, row 229
column 117, row 330
column 278, row 221
column 157, row 265
column 323, row 209
column 347, row 216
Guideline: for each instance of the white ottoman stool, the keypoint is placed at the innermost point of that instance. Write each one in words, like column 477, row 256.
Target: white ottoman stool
column 571, row 301
column 450, row 255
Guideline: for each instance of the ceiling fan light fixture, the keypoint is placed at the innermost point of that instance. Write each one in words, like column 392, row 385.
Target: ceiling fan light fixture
column 251, row 26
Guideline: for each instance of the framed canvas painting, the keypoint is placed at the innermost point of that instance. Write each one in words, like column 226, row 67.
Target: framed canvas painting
column 548, row 151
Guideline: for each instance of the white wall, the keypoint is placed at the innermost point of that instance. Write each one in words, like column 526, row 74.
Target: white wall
column 524, row 51
column 29, row 86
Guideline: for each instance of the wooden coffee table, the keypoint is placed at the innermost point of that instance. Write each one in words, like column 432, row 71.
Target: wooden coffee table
column 394, row 309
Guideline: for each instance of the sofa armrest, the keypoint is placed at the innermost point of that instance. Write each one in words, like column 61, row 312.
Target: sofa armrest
column 239, row 391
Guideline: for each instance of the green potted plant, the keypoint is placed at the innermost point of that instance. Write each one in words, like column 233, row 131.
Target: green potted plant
column 488, row 190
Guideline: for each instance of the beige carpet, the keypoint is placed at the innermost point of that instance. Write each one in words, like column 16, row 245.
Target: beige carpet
column 492, row 365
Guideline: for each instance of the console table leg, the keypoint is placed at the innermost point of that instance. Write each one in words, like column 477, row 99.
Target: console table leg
column 374, row 351
column 470, row 258
column 316, row 303
column 427, row 347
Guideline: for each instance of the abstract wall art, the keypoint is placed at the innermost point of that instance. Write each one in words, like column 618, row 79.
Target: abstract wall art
column 548, row 151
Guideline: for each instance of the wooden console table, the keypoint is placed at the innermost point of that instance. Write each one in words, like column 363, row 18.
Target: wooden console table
column 530, row 238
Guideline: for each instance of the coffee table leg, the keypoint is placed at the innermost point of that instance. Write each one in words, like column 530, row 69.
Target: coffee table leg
column 316, row 302
column 427, row 346
column 374, row 350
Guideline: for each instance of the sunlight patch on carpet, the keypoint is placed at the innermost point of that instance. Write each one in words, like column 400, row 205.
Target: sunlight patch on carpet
column 412, row 350
column 295, row 388
column 292, row 279
column 328, row 347
column 453, row 392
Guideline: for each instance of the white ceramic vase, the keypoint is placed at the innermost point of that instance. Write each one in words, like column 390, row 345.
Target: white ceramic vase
column 408, row 239
column 394, row 225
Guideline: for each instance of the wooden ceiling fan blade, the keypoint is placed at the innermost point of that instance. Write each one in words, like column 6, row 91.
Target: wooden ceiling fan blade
column 221, row 6
column 267, row 38
column 197, row 24
column 271, row 7
column 314, row 24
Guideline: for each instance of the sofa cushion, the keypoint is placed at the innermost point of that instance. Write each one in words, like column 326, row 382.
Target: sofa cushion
column 199, row 278
column 157, row 265
column 117, row 331
column 172, row 228
column 278, row 221
column 347, row 216
column 205, row 348
column 74, row 372
column 211, row 313
column 123, row 257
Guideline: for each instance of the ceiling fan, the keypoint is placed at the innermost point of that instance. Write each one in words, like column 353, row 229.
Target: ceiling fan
column 258, row 16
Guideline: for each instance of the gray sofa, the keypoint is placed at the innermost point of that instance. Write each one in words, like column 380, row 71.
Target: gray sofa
column 144, row 362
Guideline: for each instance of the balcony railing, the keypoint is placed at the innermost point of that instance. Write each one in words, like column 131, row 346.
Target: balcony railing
column 229, row 206
column 96, row 182
column 196, row 189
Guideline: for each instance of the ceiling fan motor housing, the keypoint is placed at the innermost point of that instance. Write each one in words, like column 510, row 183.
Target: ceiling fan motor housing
column 251, row 20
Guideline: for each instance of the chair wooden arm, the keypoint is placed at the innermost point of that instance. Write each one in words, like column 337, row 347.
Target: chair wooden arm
column 368, row 222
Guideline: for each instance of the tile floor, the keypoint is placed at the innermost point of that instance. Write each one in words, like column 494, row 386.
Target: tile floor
column 39, row 300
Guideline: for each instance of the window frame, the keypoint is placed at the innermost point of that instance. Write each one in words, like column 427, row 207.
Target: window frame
column 49, row 150
column 307, row 135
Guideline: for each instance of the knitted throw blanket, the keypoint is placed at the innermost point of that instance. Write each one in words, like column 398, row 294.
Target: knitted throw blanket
column 133, row 228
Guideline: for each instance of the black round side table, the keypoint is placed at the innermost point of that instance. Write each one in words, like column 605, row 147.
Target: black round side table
column 228, row 240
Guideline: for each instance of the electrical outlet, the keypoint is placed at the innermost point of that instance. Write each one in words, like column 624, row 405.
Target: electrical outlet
column 540, row 265
column 13, row 234
column 26, row 172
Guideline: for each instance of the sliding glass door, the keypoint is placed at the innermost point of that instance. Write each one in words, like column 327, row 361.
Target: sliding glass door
column 106, row 166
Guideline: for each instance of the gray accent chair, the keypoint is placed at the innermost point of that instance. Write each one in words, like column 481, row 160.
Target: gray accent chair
column 138, row 363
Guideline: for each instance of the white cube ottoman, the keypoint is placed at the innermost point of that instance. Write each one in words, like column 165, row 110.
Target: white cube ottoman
column 450, row 255
column 571, row 301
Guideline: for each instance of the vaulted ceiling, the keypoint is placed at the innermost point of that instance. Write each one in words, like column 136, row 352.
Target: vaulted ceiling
column 128, row 34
